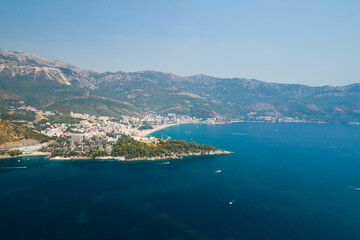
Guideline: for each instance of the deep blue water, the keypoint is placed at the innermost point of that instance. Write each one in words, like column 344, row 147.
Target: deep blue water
column 289, row 181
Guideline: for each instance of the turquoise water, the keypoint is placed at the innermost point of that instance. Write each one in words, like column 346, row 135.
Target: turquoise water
column 285, row 181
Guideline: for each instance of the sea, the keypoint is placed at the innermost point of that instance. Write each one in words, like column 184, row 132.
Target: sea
column 284, row 181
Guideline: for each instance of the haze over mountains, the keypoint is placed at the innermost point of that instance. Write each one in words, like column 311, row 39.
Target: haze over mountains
column 56, row 85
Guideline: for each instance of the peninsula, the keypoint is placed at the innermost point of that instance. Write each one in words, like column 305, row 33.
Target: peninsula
column 127, row 148
column 27, row 131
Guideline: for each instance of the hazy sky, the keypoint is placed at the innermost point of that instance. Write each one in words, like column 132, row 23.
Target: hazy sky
column 308, row 42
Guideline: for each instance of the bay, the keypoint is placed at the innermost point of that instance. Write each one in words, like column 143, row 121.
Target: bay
column 284, row 180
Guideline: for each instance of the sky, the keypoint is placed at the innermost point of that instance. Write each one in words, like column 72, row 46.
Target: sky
column 306, row 42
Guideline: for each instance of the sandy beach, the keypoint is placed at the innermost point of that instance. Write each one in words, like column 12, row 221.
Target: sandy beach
column 147, row 132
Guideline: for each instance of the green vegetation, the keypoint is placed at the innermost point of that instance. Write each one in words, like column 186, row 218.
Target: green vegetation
column 181, row 146
column 29, row 134
column 58, row 154
column 145, row 127
column 199, row 96
column 26, row 115
column 91, row 154
column 113, row 135
column 12, row 153
column 51, row 95
column 130, row 148
column 89, row 147
column 63, row 119
column 94, row 105
column 10, row 132
column 63, row 154
column 95, row 153
column 38, row 91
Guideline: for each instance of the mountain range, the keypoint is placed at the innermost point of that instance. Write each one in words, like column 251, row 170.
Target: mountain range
column 56, row 85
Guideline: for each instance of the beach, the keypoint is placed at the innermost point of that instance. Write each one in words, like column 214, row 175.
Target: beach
column 155, row 128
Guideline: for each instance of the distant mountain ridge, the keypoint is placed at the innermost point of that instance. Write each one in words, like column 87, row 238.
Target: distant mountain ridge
column 145, row 91
column 19, row 63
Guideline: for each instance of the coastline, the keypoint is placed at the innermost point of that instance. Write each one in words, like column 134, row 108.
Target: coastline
column 145, row 133
column 123, row 159
column 34, row 154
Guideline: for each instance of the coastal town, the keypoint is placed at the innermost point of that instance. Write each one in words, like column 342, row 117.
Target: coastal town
column 90, row 125
column 78, row 134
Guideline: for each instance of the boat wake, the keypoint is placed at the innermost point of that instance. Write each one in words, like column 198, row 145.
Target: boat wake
column 231, row 202
column 163, row 163
column 242, row 134
column 355, row 188
column 22, row 167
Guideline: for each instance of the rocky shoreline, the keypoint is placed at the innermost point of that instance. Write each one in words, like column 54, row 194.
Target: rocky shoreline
column 5, row 156
column 174, row 156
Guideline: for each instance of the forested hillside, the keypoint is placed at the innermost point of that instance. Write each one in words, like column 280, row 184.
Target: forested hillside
column 56, row 85
column 10, row 132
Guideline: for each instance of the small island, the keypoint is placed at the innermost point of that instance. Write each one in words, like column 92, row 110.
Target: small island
column 127, row 148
